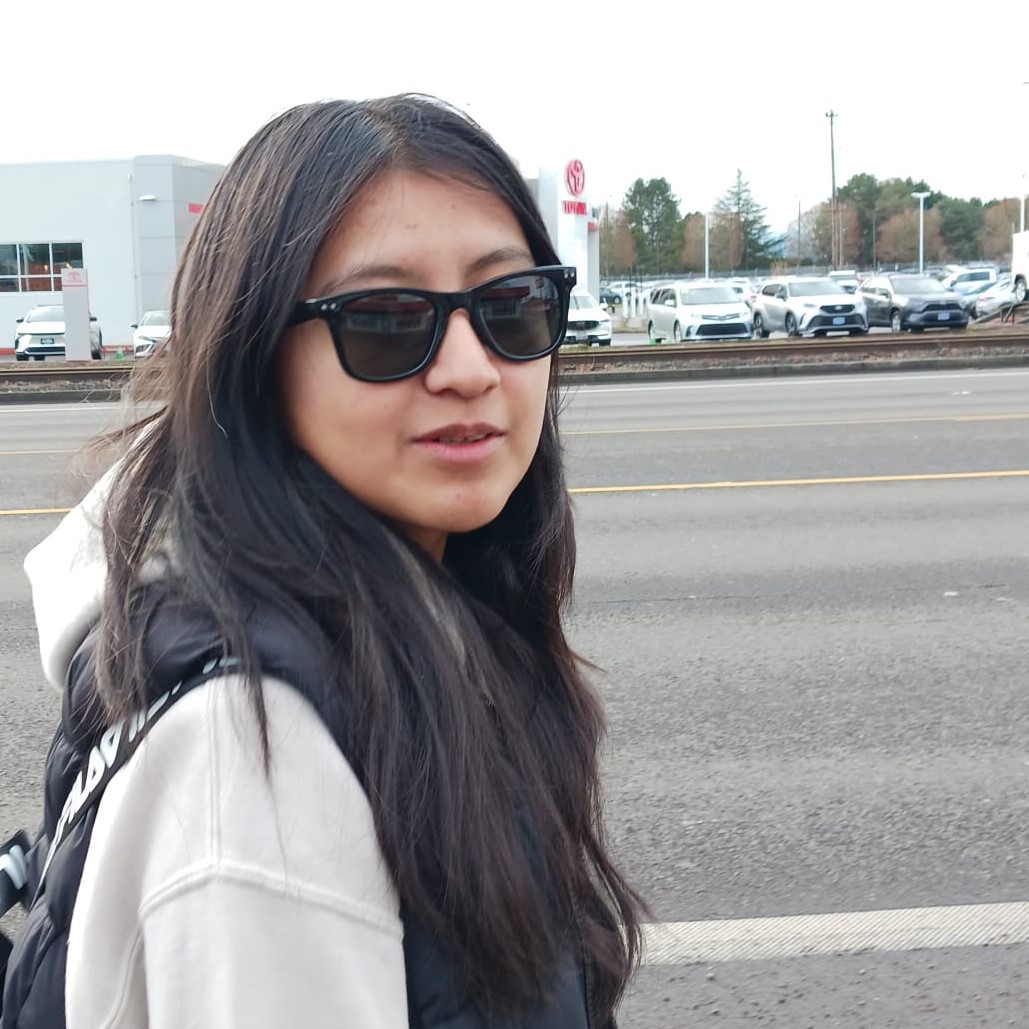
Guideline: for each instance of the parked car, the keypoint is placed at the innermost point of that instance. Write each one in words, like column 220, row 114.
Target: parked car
column 1000, row 295
column 799, row 306
column 969, row 297
column 688, row 310
column 588, row 322
column 609, row 298
column 745, row 289
column 914, row 302
column 848, row 281
column 966, row 279
column 152, row 330
column 40, row 334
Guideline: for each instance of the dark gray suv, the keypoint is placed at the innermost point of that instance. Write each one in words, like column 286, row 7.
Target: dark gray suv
column 914, row 302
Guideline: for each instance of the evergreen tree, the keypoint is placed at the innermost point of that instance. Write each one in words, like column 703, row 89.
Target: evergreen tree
column 743, row 234
column 652, row 212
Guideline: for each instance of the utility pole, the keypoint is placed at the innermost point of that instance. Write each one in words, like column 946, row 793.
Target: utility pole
column 835, row 246
column 798, row 235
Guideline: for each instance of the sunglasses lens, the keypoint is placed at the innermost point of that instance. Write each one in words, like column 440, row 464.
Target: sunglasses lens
column 386, row 335
column 523, row 314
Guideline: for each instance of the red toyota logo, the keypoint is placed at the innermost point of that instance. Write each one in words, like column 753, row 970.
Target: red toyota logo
column 575, row 178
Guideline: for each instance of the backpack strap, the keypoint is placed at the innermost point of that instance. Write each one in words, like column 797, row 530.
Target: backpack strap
column 14, row 871
column 113, row 749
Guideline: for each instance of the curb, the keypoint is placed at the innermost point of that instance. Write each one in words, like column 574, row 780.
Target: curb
column 759, row 371
column 647, row 376
column 61, row 396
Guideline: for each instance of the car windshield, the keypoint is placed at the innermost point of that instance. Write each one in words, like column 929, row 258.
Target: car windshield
column 583, row 301
column 156, row 318
column 45, row 314
column 912, row 285
column 813, row 288
column 709, row 295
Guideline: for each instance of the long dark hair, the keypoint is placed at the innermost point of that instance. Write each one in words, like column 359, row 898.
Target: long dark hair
column 468, row 714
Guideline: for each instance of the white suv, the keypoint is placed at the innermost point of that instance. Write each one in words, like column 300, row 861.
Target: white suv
column 588, row 322
column 798, row 306
column 698, row 310
column 40, row 334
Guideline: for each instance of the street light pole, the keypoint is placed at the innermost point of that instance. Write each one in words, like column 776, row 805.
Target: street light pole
column 835, row 245
column 921, row 230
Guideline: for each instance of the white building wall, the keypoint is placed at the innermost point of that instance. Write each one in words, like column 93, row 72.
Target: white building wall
column 130, row 246
column 83, row 202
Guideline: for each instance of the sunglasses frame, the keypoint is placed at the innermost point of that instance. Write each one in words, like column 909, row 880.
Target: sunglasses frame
column 444, row 305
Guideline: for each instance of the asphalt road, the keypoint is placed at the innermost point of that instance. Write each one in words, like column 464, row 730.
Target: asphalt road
column 809, row 599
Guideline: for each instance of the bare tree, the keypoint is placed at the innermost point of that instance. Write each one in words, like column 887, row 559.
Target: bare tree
column 898, row 238
column 693, row 243
column 617, row 246
column 1000, row 220
column 727, row 241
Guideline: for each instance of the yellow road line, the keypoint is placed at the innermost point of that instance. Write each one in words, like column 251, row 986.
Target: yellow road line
column 800, row 425
column 664, row 487
column 35, row 511
column 835, row 481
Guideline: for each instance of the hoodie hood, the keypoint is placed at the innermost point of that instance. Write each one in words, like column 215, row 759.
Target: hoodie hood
column 68, row 574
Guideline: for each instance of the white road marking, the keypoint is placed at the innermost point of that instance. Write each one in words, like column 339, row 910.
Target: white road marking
column 841, row 932
column 81, row 406
column 802, row 380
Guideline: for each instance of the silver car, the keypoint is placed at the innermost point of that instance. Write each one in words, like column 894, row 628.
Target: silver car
column 1001, row 294
column 802, row 306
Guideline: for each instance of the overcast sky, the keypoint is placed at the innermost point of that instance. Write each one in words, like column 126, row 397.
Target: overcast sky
column 682, row 90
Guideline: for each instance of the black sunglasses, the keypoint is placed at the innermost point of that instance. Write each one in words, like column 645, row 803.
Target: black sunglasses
column 382, row 335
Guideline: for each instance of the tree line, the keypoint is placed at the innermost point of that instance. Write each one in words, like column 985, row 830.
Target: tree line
column 876, row 220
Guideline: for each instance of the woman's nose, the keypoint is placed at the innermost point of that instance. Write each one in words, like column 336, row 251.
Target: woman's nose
column 463, row 363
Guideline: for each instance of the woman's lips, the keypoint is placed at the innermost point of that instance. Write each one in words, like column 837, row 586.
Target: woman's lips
column 461, row 450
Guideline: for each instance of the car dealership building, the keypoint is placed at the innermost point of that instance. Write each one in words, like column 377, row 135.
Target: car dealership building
column 126, row 222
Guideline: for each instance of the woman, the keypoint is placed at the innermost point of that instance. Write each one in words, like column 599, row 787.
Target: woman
column 382, row 807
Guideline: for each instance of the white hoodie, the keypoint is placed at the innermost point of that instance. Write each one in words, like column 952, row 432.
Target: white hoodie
column 213, row 895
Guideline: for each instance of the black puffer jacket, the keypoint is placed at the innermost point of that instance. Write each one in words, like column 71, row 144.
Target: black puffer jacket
column 180, row 642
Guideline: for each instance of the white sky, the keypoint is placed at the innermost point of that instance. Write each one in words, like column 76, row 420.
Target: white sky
column 649, row 88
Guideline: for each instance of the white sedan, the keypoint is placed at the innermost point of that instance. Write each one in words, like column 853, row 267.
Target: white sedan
column 152, row 330
column 1001, row 294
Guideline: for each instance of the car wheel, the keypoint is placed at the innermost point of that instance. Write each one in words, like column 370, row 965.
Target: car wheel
column 676, row 333
column 651, row 335
column 759, row 327
column 896, row 322
column 791, row 325
column 1020, row 291
column 605, row 342
column 21, row 357
column 38, row 357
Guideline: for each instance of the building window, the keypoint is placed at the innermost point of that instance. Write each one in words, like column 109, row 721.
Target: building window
column 36, row 267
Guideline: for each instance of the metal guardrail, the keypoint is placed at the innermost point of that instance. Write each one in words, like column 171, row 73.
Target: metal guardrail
column 880, row 344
